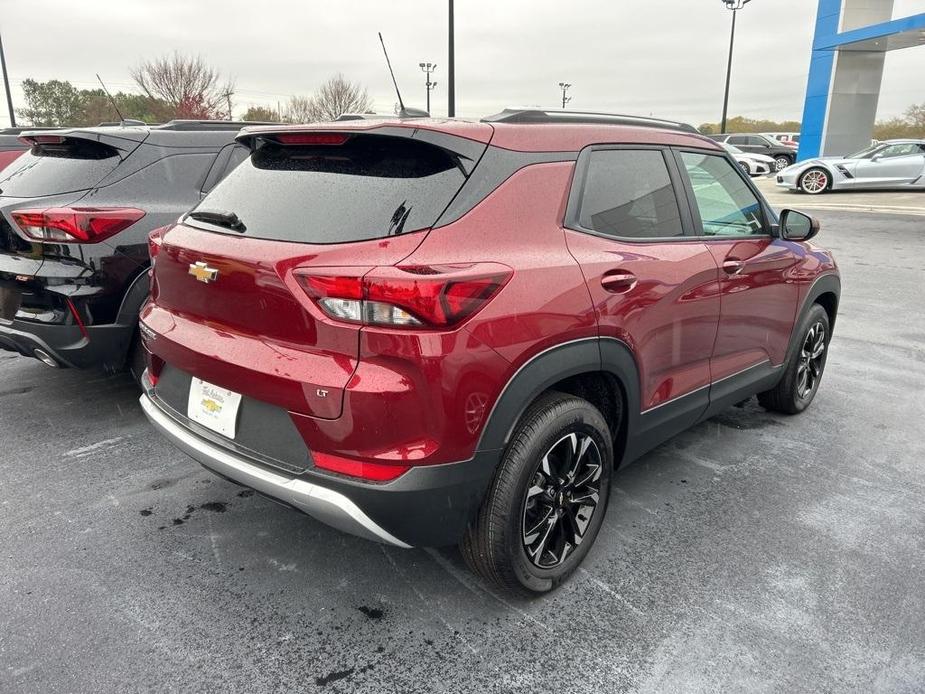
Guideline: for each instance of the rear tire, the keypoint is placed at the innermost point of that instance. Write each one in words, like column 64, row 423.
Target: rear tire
column 815, row 181
column 803, row 373
column 548, row 498
column 781, row 162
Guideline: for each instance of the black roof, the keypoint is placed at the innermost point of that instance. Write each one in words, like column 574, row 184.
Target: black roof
column 538, row 115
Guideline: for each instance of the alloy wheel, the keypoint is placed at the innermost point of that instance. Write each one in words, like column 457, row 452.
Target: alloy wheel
column 812, row 355
column 563, row 496
column 815, row 181
column 781, row 163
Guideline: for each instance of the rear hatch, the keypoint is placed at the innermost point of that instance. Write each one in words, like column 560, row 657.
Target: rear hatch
column 227, row 284
column 58, row 169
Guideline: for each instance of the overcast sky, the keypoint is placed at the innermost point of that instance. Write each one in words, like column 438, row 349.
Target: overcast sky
column 660, row 57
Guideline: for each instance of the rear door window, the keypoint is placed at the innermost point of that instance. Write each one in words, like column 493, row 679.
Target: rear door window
column 74, row 165
column 628, row 194
column 371, row 186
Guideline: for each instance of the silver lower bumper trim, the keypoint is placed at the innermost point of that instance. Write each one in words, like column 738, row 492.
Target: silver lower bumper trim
column 328, row 506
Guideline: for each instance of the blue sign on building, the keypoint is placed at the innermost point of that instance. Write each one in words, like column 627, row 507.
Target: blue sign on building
column 851, row 41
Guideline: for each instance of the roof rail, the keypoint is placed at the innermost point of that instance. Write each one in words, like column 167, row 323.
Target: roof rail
column 543, row 115
column 178, row 124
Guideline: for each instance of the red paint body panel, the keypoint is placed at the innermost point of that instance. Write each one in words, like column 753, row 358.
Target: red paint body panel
column 8, row 157
column 669, row 317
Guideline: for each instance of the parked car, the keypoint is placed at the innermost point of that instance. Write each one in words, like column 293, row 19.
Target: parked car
column 75, row 212
column 752, row 164
column 891, row 164
column 789, row 138
column 427, row 332
column 783, row 154
column 10, row 146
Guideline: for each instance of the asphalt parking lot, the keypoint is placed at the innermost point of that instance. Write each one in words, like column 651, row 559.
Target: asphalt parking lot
column 754, row 553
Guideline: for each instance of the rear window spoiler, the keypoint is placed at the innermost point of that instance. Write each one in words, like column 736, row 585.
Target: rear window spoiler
column 467, row 151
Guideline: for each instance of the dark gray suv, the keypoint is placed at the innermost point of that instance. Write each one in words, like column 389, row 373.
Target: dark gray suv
column 753, row 143
column 75, row 213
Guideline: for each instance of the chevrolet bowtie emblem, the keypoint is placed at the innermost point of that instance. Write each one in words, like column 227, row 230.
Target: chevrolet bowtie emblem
column 203, row 272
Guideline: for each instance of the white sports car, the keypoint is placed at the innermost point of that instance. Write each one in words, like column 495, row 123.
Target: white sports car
column 752, row 164
column 889, row 164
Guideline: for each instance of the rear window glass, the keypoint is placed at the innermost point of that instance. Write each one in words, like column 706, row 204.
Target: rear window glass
column 48, row 170
column 371, row 186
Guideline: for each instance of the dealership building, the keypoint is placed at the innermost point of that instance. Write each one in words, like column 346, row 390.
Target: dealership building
column 849, row 48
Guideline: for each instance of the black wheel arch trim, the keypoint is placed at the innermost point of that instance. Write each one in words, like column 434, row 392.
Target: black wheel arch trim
column 133, row 299
column 545, row 369
column 829, row 283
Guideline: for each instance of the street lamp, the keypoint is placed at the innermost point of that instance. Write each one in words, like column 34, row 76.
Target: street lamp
column 565, row 86
column 428, row 68
column 735, row 6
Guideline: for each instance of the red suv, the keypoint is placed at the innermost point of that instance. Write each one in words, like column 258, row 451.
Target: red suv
column 430, row 331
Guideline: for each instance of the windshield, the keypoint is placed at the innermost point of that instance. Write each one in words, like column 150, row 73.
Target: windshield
column 866, row 153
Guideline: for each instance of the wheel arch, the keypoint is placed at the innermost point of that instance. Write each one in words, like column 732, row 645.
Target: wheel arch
column 825, row 291
column 602, row 371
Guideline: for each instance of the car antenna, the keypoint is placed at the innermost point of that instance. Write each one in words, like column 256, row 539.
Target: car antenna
column 111, row 100
column 403, row 112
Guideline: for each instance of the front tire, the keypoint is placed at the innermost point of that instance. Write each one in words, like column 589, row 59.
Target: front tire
column 815, row 181
column 803, row 373
column 548, row 498
column 745, row 167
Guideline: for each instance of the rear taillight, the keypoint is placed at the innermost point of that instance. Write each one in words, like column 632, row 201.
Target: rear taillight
column 41, row 139
column 407, row 297
column 155, row 238
column 75, row 224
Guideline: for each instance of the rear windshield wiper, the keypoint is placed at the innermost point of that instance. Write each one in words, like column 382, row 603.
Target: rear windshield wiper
column 221, row 218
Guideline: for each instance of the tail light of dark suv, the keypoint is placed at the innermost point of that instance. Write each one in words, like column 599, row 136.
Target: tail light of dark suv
column 422, row 297
column 75, row 224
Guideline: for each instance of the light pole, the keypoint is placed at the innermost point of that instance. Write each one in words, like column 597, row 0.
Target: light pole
column 428, row 68
column 565, row 86
column 735, row 6
column 6, row 85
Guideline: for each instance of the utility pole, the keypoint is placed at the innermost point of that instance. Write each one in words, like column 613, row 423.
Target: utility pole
column 565, row 86
column 228, row 97
column 451, row 78
column 735, row 6
column 428, row 68
column 6, row 85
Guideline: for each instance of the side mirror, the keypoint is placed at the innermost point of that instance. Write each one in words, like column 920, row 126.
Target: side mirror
column 796, row 226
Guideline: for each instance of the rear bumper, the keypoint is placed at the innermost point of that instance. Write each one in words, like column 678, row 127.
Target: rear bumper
column 103, row 345
column 427, row 506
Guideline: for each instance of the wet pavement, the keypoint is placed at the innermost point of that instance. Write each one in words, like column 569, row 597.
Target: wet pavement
column 755, row 552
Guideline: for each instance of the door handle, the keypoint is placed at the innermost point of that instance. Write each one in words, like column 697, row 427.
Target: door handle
column 618, row 282
column 733, row 267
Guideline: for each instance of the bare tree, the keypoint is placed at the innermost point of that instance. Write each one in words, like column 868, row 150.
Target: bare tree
column 299, row 110
column 189, row 85
column 334, row 98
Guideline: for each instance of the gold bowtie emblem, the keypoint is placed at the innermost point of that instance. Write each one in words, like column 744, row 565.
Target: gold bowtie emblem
column 203, row 272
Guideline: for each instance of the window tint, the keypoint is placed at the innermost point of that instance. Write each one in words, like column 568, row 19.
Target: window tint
column 628, row 194
column 756, row 141
column 372, row 186
column 738, row 140
column 726, row 205
column 73, row 165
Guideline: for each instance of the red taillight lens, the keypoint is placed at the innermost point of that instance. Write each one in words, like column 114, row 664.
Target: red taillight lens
column 75, row 224
column 311, row 138
column 155, row 239
column 374, row 472
column 411, row 297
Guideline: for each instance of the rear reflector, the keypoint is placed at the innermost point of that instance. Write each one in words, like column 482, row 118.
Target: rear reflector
column 75, row 224
column 311, row 138
column 374, row 472
column 409, row 297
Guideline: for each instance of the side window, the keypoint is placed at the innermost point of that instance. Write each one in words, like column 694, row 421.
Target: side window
column 628, row 194
column 899, row 150
column 738, row 140
column 725, row 204
column 228, row 158
column 755, row 141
